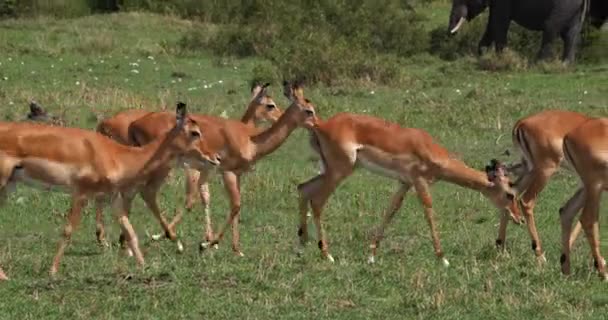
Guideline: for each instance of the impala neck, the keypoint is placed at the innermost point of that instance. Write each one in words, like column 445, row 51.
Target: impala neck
column 457, row 172
column 249, row 117
column 142, row 161
column 269, row 140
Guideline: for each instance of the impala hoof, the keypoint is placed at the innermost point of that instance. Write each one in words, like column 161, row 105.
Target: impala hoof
column 445, row 262
column 239, row 254
column 204, row 246
column 330, row 258
column 371, row 260
column 541, row 260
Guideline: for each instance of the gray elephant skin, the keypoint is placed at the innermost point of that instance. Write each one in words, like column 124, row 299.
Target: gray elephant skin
column 563, row 18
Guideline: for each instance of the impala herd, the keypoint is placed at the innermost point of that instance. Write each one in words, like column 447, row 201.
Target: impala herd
column 134, row 151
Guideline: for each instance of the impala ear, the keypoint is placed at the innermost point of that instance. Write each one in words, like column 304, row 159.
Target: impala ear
column 180, row 114
column 259, row 91
column 288, row 91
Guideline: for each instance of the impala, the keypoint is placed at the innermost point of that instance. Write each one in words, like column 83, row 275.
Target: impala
column 408, row 155
column 125, row 128
column 87, row 164
column 539, row 138
column 239, row 147
column 586, row 150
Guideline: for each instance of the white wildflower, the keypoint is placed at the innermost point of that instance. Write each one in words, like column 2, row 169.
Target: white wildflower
column 172, row 81
column 179, row 79
column 102, row 61
column 90, row 70
column 191, row 88
column 585, row 92
column 135, row 71
column 221, row 81
column 10, row 59
column 150, row 58
column 205, row 86
column 77, row 83
column 458, row 91
column 372, row 92
column 52, row 66
column 95, row 78
column 134, row 64
column 5, row 78
column 156, row 68
column 224, row 114
column 33, row 72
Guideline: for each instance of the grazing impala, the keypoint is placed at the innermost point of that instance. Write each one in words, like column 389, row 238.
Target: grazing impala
column 586, row 150
column 539, row 137
column 124, row 128
column 408, row 155
column 239, row 147
column 87, row 164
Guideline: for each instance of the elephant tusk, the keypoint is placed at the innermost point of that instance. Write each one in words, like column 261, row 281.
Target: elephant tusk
column 460, row 22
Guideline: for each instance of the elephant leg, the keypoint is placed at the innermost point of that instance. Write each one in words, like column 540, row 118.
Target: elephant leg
column 486, row 40
column 571, row 37
column 545, row 47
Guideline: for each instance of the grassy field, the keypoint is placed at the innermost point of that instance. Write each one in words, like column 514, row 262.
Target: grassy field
column 90, row 68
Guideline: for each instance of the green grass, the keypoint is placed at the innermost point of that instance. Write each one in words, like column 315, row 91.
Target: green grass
column 469, row 111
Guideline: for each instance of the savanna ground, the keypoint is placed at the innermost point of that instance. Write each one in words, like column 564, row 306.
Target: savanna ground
column 92, row 67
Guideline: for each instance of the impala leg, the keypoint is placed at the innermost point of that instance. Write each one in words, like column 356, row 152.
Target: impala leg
column 305, row 191
column 78, row 201
column 205, row 196
column 539, row 180
column 502, row 231
column 149, row 195
column 328, row 184
column 422, row 190
column 396, row 202
column 232, row 186
column 192, row 186
column 123, row 204
column 590, row 224
column 3, row 275
column 576, row 203
column 566, row 215
column 100, row 231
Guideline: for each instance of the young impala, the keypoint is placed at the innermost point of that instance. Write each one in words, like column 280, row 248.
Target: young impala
column 239, row 149
column 586, row 149
column 539, row 138
column 408, row 155
column 139, row 128
column 87, row 164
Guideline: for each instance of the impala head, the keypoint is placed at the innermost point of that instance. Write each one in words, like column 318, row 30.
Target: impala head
column 192, row 149
column 301, row 108
column 500, row 191
column 463, row 10
column 262, row 107
column 37, row 113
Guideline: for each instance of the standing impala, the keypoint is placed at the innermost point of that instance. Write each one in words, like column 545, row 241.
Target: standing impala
column 539, row 137
column 124, row 128
column 239, row 149
column 408, row 155
column 87, row 164
column 586, row 149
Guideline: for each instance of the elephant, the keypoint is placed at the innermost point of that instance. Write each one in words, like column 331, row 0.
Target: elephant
column 553, row 17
